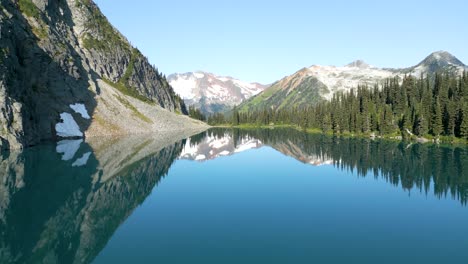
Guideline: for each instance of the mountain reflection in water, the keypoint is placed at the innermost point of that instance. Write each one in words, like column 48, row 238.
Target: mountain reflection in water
column 399, row 163
column 61, row 203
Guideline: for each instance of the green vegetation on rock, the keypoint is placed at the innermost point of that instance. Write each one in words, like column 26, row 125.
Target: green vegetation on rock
column 130, row 68
column 278, row 97
column 107, row 38
column 128, row 91
column 29, row 8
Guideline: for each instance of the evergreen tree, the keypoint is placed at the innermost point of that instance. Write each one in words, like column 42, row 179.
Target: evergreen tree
column 235, row 116
column 420, row 126
column 436, row 128
column 464, row 123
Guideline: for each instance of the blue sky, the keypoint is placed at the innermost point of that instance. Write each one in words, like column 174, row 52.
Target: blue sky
column 266, row 40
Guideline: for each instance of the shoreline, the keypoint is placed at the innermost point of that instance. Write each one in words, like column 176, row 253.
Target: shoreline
column 396, row 137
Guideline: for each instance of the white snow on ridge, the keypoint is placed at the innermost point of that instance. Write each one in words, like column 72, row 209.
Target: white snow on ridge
column 68, row 127
column 244, row 84
column 345, row 78
column 216, row 89
column 199, row 75
column 80, row 109
column 184, row 86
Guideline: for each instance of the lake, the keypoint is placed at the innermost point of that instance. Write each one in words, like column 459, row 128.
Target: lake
column 234, row 196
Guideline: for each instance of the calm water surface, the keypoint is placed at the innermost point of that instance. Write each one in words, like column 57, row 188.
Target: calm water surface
column 235, row 196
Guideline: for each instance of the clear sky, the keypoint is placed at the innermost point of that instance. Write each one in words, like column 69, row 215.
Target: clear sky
column 266, row 40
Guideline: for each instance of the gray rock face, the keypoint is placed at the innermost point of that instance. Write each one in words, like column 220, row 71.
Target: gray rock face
column 52, row 54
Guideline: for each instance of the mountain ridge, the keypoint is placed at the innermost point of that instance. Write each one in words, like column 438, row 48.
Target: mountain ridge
column 212, row 93
column 311, row 84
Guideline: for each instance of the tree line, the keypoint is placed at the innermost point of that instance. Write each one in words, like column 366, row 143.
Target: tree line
column 428, row 106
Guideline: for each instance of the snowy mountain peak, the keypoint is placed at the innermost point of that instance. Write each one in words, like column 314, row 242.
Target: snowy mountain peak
column 310, row 85
column 436, row 62
column 212, row 93
column 358, row 64
column 441, row 59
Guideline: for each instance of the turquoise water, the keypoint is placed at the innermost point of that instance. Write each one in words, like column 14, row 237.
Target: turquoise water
column 237, row 196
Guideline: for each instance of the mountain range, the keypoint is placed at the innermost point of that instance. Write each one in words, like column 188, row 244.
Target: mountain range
column 211, row 93
column 310, row 85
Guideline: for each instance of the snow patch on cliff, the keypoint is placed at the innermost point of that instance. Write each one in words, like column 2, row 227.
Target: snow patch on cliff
column 80, row 109
column 68, row 127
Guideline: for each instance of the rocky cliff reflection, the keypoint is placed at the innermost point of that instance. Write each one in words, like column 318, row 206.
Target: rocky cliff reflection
column 424, row 167
column 61, row 203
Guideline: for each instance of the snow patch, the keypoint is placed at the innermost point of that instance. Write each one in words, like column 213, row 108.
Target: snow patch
column 184, row 87
column 68, row 148
column 80, row 109
column 68, row 127
column 199, row 75
column 216, row 89
column 82, row 161
column 346, row 78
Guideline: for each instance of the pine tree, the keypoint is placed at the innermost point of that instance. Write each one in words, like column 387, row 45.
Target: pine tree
column 464, row 123
column 235, row 117
column 420, row 126
column 436, row 119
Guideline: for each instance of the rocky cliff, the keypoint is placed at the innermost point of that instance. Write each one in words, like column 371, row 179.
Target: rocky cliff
column 66, row 72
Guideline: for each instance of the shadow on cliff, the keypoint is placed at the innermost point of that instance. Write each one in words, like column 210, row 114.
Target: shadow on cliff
column 47, row 84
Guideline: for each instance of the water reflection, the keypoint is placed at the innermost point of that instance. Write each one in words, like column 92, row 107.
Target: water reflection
column 61, row 204
column 410, row 166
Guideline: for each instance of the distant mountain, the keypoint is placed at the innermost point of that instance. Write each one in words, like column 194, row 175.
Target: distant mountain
column 211, row 93
column 310, row 85
column 438, row 61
